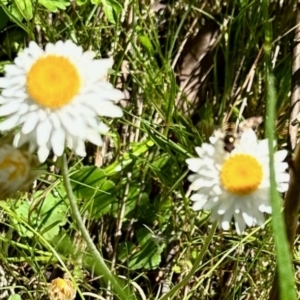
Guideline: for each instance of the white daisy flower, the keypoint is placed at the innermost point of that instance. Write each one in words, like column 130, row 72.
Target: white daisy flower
column 235, row 184
column 55, row 97
column 16, row 171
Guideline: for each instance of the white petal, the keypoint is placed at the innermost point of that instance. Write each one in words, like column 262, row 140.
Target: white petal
column 94, row 137
column 224, row 206
column 259, row 217
column 23, row 61
column 199, row 201
column 59, row 48
column 20, row 139
column 265, row 208
column 107, row 92
column 198, row 205
column 281, row 167
column 43, row 132
column 13, row 70
column 100, row 67
column 10, row 122
column 248, row 140
column 24, row 108
column 282, row 187
column 213, row 139
column 103, row 128
column 55, row 120
column 58, row 141
column 67, row 122
column 30, row 123
column 199, row 151
column 35, row 50
column 108, row 109
column 43, row 153
column 80, row 148
column 5, row 82
column 4, row 100
column 194, row 164
column 50, row 48
column 239, row 224
column 280, row 156
column 225, row 225
column 209, row 149
column 88, row 55
column 74, row 50
column 10, row 107
column 12, row 92
column 212, row 203
column 263, row 147
column 283, row 177
column 216, row 190
column 200, row 183
column 249, row 220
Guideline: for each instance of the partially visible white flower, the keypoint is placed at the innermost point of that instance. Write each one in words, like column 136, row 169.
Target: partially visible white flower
column 16, row 171
column 61, row 289
column 55, row 97
column 236, row 184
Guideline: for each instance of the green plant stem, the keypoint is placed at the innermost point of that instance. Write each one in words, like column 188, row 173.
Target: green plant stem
column 122, row 293
column 195, row 266
column 284, row 277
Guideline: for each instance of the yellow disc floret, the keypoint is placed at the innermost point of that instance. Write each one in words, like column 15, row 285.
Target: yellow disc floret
column 241, row 174
column 53, row 81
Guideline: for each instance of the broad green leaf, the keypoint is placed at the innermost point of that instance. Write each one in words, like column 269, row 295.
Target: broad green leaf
column 22, row 212
column 15, row 12
column 163, row 208
column 149, row 254
column 15, row 297
column 52, row 215
column 109, row 12
column 86, row 182
column 63, row 243
column 104, row 199
column 47, row 218
column 10, row 14
column 134, row 201
column 81, row 2
column 143, row 236
column 90, row 183
column 25, row 8
column 124, row 250
column 54, row 5
column 112, row 9
column 149, row 257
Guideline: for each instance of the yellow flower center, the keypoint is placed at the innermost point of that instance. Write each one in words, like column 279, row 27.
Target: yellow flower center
column 241, row 174
column 53, row 81
column 60, row 283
